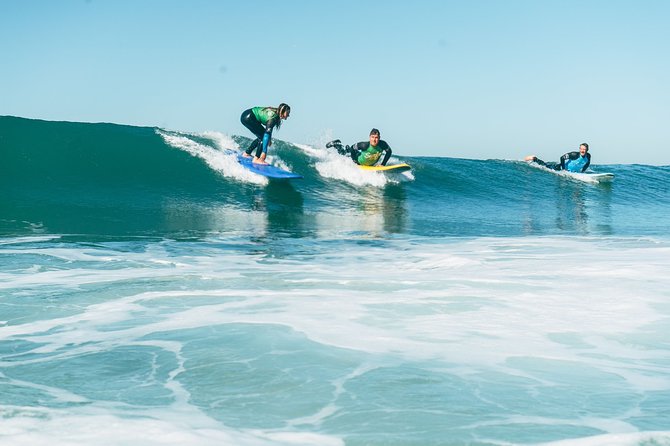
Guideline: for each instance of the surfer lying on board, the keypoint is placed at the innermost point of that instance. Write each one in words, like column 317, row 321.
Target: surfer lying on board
column 261, row 121
column 365, row 153
column 571, row 161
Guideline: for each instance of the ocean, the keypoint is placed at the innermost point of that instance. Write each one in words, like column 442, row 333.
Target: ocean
column 153, row 292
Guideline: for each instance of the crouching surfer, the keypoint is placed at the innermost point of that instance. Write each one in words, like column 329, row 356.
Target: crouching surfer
column 261, row 121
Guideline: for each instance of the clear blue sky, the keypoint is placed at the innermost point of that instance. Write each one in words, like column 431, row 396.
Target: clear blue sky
column 471, row 79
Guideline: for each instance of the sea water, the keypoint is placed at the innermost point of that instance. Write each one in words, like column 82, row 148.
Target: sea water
column 153, row 293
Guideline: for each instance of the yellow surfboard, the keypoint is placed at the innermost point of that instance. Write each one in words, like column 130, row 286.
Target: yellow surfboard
column 389, row 168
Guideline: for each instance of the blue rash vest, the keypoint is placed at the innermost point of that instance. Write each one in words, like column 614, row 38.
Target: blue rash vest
column 574, row 162
column 576, row 165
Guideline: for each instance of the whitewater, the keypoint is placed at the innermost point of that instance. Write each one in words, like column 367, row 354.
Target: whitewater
column 153, row 292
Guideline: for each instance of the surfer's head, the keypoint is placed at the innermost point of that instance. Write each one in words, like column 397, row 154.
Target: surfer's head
column 374, row 137
column 284, row 110
column 583, row 148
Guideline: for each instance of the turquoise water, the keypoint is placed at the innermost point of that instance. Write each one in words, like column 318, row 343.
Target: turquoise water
column 151, row 292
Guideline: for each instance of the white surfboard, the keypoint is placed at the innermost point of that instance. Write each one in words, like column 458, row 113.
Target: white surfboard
column 588, row 177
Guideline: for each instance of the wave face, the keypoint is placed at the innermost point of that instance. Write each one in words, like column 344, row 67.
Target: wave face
column 111, row 179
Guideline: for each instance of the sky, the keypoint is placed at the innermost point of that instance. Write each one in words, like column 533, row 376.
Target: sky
column 476, row 79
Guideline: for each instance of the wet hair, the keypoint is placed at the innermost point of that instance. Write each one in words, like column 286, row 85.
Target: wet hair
column 585, row 145
column 283, row 108
column 280, row 110
column 374, row 132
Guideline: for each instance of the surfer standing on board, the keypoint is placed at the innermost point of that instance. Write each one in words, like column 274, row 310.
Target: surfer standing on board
column 571, row 161
column 261, row 121
column 365, row 153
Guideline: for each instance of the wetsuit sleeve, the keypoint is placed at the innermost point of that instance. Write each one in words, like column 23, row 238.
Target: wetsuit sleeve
column 588, row 162
column 568, row 156
column 387, row 149
column 362, row 146
column 269, row 126
column 356, row 149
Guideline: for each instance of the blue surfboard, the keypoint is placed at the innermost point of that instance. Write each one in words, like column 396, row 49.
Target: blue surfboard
column 267, row 170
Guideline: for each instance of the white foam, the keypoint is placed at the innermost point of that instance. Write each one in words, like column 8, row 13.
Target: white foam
column 225, row 142
column 522, row 295
column 30, row 239
column 221, row 140
column 331, row 164
column 500, row 307
column 101, row 426
column 223, row 160
column 654, row 438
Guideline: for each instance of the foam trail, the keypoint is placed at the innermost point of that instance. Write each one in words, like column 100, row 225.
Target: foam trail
column 223, row 161
column 101, row 426
column 654, row 438
column 331, row 164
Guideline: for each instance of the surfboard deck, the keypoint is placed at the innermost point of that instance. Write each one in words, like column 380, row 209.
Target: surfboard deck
column 591, row 177
column 587, row 177
column 388, row 168
column 267, row 170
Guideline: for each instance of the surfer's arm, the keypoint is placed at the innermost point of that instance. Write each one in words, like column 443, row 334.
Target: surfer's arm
column 361, row 146
column 567, row 157
column 571, row 156
column 267, row 137
column 588, row 163
column 387, row 152
column 267, row 140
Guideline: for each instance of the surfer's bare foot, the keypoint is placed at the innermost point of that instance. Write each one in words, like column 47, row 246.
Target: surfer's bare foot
column 259, row 161
column 246, row 155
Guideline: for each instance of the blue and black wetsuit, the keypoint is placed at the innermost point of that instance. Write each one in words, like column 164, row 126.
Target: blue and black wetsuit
column 571, row 161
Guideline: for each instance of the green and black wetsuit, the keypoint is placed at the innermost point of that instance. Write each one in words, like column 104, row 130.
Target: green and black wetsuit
column 261, row 121
column 365, row 154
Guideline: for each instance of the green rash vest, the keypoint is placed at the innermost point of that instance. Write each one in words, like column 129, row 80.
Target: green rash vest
column 370, row 154
column 265, row 114
column 369, row 157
